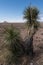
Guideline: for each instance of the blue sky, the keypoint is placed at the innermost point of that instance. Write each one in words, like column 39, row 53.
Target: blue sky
column 12, row 10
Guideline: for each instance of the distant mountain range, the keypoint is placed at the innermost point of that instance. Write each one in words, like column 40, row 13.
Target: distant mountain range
column 18, row 25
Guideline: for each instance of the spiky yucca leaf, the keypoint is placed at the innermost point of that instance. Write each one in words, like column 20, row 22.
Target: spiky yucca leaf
column 14, row 43
column 31, row 16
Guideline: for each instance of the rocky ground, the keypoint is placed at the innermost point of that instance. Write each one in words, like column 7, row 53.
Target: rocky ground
column 26, row 60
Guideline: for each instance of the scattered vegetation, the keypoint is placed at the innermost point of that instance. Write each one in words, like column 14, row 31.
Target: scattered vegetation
column 15, row 45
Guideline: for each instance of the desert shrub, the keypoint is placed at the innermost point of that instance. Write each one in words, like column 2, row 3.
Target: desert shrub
column 14, row 44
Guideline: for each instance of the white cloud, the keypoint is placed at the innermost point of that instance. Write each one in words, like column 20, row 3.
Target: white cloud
column 17, row 19
column 41, row 17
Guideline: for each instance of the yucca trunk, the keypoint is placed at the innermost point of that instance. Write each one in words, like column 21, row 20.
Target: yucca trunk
column 31, row 35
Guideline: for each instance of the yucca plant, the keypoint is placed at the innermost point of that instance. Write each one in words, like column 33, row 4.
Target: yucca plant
column 14, row 42
column 31, row 17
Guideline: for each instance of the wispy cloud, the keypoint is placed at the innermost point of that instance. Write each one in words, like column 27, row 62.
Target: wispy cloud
column 41, row 17
column 16, row 19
